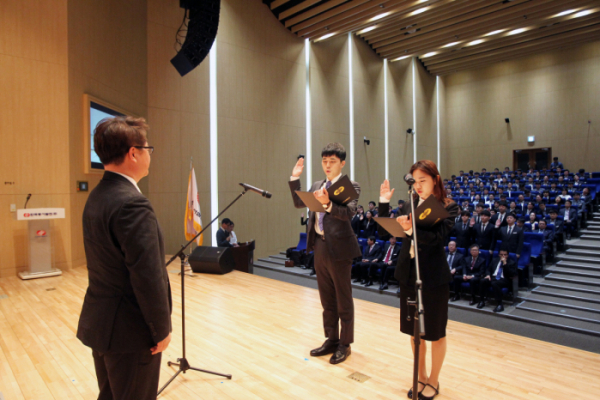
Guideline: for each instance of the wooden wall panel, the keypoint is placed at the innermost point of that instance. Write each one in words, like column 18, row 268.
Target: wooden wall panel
column 34, row 155
column 426, row 114
column 550, row 95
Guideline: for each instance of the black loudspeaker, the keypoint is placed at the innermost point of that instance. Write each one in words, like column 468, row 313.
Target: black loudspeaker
column 212, row 260
column 201, row 33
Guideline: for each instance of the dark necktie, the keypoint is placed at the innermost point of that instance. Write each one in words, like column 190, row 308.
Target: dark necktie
column 388, row 255
column 499, row 274
column 450, row 259
column 322, row 214
column 473, row 263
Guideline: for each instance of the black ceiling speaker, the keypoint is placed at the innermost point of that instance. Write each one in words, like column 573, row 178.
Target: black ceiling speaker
column 201, row 32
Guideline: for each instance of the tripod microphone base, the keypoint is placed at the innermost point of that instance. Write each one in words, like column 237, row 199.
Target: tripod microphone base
column 184, row 366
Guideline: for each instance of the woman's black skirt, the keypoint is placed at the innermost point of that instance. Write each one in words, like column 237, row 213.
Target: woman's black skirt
column 435, row 303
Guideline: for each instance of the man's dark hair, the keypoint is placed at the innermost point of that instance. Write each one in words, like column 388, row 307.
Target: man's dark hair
column 503, row 247
column 372, row 239
column 465, row 212
column 521, row 220
column 512, row 215
column 226, row 221
column 473, row 246
column 569, row 201
column 113, row 137
column 334, row 149
column 553, row 211
column 401, row 201
column 372, row 202
column 555, row 158
column 486, row 212
column 503, row 203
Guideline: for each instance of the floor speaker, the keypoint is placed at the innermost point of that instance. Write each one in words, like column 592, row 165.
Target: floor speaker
column 212, row 260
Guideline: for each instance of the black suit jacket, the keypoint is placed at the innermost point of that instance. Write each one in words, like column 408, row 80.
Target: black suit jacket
column 572, row 214
column 394, row 255
column 486, row 239
column 463, row 236
column 432, row 256
column 356, row 223
column 476, row 270
column 222, row 238
column 339, row 236
column 457, row 262
column 372, row 254
column 509, row 270
column 494, row 219
column 127, row 306
column 515, row 241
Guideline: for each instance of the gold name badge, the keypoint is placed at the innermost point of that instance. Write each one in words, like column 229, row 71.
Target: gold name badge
column 425, row 213
column 339, row 190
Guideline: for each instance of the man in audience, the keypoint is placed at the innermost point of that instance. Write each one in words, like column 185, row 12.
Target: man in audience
column 477, row 212
column 556, row 164
column 357, row 220
column 548, row 237
column 373, row 208
column 371, row 256
column 223, row 235
column 510, row 190
column 580, row 204
column 498, row 275
column 542, row 210
column 546, row 197
column 530, row 209
column 399, row 208
column 388, row 262
column 521, row 205
column 490, row 202
column 513, row 208
column 484, row 232
column 454, row 259
column 472, row 266
column 512, row 236
column 462, row 231
column 499, row 220
column 558, row 224
column 569, row 218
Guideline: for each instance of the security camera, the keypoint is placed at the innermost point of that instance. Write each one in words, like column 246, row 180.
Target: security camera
column 367, row 141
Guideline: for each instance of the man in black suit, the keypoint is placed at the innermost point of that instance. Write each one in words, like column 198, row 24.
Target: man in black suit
column 521, row 204
column 330, row 235
column 498, row 275
column 389, row 259
column 462, row 231
column 455, row 260
column 548, row 237
column 499, row 220
column 356, row 221
column 223, row 235
column 472, row 266
column 569, row 218
column 126, row 313
column 369, row 261
column 512, row 236
column 484, row 233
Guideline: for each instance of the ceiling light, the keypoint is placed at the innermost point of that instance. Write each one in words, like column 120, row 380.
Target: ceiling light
column 562, row 14
column 583, row 13
column 517, row 31
column 475, row 42
column 495, row 32
column 419, row 11
column 325, row 37
column 433, row 53
column 400, row 58
column 451, row 44
column 382, row 15
column 369, row 29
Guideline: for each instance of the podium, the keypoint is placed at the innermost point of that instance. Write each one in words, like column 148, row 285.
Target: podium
column 40, row 241
column 243, row 256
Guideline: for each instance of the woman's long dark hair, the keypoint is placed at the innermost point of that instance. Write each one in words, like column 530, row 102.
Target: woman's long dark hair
column 429, row 167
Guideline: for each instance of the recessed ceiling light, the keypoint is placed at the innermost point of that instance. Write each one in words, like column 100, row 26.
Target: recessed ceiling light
column 495, row 32
column 369, row 29
column 325, row 37
column 431, row 54
column 562, row 14
column 475, row 42
column 450, row 44
column 400, row 58
column 382, row 15
column 419, row 11
column 517, row 31
column 583, row 13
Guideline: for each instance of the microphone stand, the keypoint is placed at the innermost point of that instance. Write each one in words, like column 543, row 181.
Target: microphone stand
column 417, row 303
column 182, row 362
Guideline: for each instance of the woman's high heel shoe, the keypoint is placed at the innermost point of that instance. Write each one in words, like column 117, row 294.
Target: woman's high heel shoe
column 410, row 392
column 437, row 391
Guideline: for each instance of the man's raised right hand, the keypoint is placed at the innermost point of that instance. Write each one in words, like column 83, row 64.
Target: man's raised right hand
column 298, row 168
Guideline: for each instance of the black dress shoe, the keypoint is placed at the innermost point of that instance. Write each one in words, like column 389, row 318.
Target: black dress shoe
column 356, row 280
column 456, row 297
column 499, row 308
column 398, row 291
column 340, row 354
column 437, row 391
column 481, row 304
column 369, row 283
column 384, row 286
column 362, row 282
column 327, row 348
column 473, row 301
column 410, row 391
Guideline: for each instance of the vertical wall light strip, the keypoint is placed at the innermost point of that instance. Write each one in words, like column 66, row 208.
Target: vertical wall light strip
column 437, row 102
column 351, row 96
column 385, row 119
column 414, row 85
column 214, row 177
column 307, row 157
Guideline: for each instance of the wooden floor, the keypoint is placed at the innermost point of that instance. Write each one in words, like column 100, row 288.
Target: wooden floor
column 261, row 331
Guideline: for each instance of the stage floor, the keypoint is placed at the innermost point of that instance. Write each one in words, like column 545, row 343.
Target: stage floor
column 261, row 330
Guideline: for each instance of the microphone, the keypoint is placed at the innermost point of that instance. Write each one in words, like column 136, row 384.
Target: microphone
column 263, row 193
column 27, row 201
column 408, row 178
